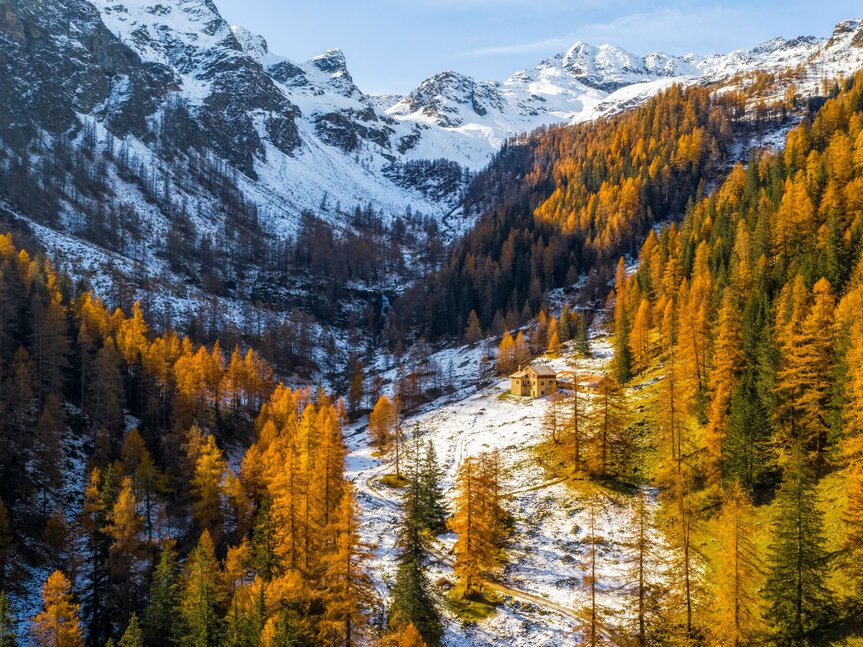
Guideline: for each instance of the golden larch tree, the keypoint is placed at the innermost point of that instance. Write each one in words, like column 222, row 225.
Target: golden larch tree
column 553, row 347
column 738, row 572
column 58, row 624
column 521, row 350
column 639, row 337
column 411, row 637
column 804, row 380
column 694, row 313
column 124, row 527
column 608, row 421
column 478, row 520
column 207, row 486
column 506, row 354
column 727, row 365
column 471, row 546
column 346, row 582
column 382, row 423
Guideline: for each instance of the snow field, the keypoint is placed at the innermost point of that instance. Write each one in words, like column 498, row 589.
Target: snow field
column 547, row 556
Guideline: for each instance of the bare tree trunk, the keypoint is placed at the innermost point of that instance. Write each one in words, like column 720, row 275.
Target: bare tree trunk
column 642, row 554
column 592, row 575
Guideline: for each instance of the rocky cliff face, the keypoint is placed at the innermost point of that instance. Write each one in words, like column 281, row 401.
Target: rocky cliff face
column 292, row 131
column 58, row 59
column 163, row 121
column 231, row 96
column 442, row 98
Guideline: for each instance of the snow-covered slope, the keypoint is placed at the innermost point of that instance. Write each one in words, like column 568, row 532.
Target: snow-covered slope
column 166, row 108
column 543, row 584
column 587, row 81
column 296, row 130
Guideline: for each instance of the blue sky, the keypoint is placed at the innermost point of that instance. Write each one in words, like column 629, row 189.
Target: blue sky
column 392, row 45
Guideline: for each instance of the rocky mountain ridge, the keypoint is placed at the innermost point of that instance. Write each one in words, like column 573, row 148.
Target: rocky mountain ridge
column 588, row 81
column 159, row 121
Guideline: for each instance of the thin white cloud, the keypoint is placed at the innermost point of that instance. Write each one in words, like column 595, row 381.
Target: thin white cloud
column 704, row 30
column 522, row 48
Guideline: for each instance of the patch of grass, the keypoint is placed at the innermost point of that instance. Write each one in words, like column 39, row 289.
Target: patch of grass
column 506, row 396
column 393, row 481
column 473, row 608
column 548, row 455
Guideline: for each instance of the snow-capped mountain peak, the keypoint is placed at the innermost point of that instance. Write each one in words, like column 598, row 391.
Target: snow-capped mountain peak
column 443, row 98
column 852, row 26
column 333, row 62
column 295, row 131
column 588, row 80
column 662, row 64
column 252, row 44
column 605, row 67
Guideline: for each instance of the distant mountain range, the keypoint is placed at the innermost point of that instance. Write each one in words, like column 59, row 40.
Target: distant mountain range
column 587, row 81
column 297, row 130
column 157, row 79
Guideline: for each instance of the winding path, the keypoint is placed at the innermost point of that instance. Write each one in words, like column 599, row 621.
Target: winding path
column 386, row 501
column 437, row 550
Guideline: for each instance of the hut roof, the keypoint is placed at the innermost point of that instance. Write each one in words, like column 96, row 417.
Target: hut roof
column 543, row 370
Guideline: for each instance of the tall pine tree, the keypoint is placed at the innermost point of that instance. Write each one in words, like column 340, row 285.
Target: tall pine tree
column 412, row 602
column 796, row 589
column 433, row 509
column 162, row 622
column 200, row 597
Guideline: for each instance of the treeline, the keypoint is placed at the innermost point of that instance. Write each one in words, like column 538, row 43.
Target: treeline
column 179, row 536
column 547, row 334
column 439, row 179
column 749, row 312
column 568, row 200
column 214, row 239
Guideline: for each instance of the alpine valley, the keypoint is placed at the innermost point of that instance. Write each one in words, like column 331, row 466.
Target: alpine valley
column 572, row 357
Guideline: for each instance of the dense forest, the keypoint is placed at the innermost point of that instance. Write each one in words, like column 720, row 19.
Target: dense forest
column 749, row 313
column 567, row 201
column 268, row 543
column 734, row 396
column 167, row 492
column 179, row 494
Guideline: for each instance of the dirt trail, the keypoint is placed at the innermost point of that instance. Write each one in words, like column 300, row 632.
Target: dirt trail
column 369, row 486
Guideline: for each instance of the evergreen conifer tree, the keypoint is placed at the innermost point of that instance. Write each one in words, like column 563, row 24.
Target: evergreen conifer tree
column 796, row 588
column 133, row 636
column 264, row 558
column 746, row 447
column 162, row 625
column 582, row 336
column 200, row 596
column 412, row 602
column 8, row 634
column 432, row 502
